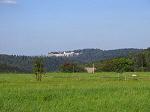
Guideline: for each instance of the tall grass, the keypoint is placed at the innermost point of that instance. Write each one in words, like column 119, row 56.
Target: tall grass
column 79, row 92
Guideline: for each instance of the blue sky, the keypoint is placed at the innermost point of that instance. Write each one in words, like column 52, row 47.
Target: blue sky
column 34, row 27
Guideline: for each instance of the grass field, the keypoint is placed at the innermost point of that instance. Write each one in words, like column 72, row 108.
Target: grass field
column 79, row 92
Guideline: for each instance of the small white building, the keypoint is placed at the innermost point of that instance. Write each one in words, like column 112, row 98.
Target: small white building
column 90, row 69
column 56, row 54
column 63, row 54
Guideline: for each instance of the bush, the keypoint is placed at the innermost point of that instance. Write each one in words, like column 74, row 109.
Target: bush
column 71, row 67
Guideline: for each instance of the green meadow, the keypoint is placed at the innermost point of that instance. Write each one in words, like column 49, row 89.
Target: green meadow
column 78, row 92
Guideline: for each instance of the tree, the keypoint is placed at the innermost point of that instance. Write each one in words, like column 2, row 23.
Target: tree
column 38, row 68
column 115, row 65
column 147, row 59
column 71, row 68
column 123, row 65
column 139, row 61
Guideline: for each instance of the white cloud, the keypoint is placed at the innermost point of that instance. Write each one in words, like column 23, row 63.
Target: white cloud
column 8, row 1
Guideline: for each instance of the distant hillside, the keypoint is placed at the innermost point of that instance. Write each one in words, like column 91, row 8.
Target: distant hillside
column 11, row 63
column 89, row 55
column 135, row 62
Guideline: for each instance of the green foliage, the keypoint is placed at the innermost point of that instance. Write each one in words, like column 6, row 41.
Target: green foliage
column 135, row 62
column 71, row 68
column 38, row 68
column 78, row 92
column 24, row 64
column 14, row 63
column 115, row 65
column 92, row 55
column 10, row 68
column 104, row 61
column 142, row 61
column 123, row 65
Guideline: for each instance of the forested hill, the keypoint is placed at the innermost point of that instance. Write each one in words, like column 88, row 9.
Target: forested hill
column 13, row 63
column 89, row 55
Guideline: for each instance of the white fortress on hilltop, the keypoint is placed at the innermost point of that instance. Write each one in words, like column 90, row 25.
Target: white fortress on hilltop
column 63, row 54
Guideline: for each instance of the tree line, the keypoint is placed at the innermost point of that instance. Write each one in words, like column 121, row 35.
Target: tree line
column 16, row 63
column 132, row 63
column 138, row 62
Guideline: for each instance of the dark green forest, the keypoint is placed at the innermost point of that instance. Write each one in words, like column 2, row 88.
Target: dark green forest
column 136, row 62
column 16, row 63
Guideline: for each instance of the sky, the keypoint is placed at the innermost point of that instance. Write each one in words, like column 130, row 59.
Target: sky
column 35, row 27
